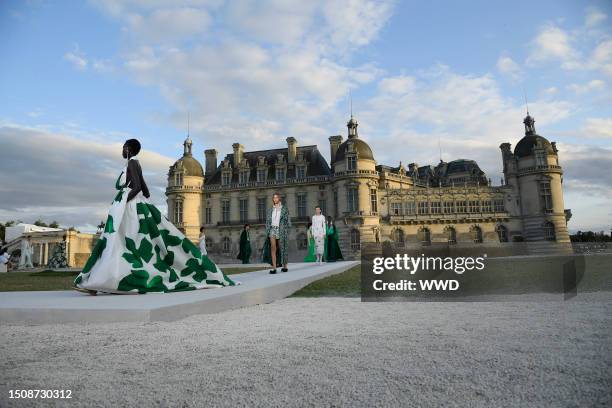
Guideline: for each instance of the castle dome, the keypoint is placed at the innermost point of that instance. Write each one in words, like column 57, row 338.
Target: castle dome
column 531, row 139
column 189, row 165
column 362, row 148
column 525, row 146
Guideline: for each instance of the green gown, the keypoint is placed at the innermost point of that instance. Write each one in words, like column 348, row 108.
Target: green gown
column 245, row 247
column 332, row 249
column 310, row 257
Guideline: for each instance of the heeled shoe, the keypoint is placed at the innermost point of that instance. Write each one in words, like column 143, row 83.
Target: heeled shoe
column 272, row 271
column 284, row 269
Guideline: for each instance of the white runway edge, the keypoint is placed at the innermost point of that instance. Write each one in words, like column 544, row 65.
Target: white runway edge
column 257, row 287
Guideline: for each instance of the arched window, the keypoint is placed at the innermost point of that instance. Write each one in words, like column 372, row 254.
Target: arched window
column 355, row 240
column 302, row 241
column 227, row 244
column 424, row 236
column 476, row 232
column 502, row 233
column 398, row 237
column 451, row 235
column 549, row 231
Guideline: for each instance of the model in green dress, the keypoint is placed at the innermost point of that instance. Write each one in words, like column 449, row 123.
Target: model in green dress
column 310, row 257
column 245, row 245
column 333, row 248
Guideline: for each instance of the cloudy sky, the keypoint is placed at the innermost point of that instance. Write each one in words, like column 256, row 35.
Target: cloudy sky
column 77, row 79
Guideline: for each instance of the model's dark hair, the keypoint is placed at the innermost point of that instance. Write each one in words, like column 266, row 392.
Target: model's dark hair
column 280, row 199
column 134, row 146
column 246, row 225
column 317, row 206
column 309, row 225
column 201, row 229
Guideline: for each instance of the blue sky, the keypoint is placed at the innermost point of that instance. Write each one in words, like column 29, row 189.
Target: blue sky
column 79, row 78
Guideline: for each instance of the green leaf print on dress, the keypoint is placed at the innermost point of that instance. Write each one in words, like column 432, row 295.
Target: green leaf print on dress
column 141, row 251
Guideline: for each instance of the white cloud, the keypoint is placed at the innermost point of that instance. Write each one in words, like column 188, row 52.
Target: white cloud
column 76, row 58
column 57, row 176
column 595, row 84
column 507, row 66
column 600, row 128
column 552, row 43
column 594, row 17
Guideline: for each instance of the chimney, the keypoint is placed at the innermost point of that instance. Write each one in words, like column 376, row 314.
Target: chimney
column 291, row 149
column 238, row 150
column 334, row 143
column 211, row 161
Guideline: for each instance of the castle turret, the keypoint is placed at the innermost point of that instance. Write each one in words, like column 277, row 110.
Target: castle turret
column 535, row 167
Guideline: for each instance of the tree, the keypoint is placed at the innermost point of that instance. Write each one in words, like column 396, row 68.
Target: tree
column 54, row 224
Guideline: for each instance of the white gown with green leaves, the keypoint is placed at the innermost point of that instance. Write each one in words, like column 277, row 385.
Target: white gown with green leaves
column 141, row 251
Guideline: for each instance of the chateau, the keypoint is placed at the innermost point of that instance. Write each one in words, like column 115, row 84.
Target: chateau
column 451, row 204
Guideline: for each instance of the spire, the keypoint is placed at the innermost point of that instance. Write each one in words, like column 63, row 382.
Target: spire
column 529, row 121
column 187, row 143
column 352, row 123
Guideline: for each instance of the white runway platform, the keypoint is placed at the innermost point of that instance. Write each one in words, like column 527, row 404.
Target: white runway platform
column 74, row 307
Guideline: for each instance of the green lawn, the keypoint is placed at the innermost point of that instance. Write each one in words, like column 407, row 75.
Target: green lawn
column 345, row 284
column 52, row 280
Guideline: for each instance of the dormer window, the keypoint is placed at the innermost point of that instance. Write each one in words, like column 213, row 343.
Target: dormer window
column 178, row 179
column 300, row 171
column 262, row 175
column 244, row 176
column 351, row 163
column 280, row 174
column 541, row 158
column 226, row 178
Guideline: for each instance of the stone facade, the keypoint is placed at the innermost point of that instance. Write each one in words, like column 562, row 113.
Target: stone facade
column 450, row 204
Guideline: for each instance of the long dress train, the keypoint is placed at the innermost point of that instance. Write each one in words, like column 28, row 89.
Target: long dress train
column 141, row 251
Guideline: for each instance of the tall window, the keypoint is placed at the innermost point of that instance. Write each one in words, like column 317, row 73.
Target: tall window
column 352, row 200
column 226, row 178
column 502, row 233
column 476, row 234
column 461, row 206
column 178, row 179
column 178, row 212
column 261, row 209
column 546, row 196
column 244, row 210
column 280, row 174
column 498, row 205
column 474, row 206
column 398, row 237
column 448, row 207
column 261, row 175
column 486, row 206
column 549, row 231
column 300, row 172
column 351, row 162
column 355, row 240
column 208, row 215
column 227, row 245
column 225, row 211
column 541, row 158
column 409, row 207
column 423, row 207
column 302, row 241
column 301, row 205
column 244, row 176
column 451, row 235
column 424, row 236
column 435, row 207
column 323, row 205
column 373, row 200
column 396, row 208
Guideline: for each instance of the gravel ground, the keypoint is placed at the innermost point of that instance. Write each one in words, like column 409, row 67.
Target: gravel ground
column 326, row 352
